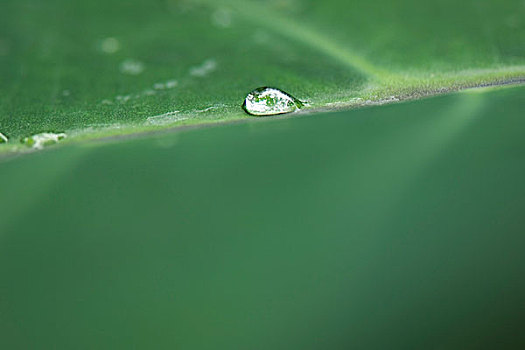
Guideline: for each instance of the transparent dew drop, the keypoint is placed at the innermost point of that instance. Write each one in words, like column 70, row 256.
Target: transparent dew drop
column 39, row 141
column 267, row 101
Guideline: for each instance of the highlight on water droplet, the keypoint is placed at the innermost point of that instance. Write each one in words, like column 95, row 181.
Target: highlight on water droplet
column 266, row 101
column 39, row 141
column 3, row 138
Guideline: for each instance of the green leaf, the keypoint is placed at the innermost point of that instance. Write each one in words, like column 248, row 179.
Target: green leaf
column 372, row 228
column 101, row 68
column 398, row 226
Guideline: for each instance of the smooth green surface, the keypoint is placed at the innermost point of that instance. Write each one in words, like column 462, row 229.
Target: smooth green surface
column 54, row 75
column 393, row 227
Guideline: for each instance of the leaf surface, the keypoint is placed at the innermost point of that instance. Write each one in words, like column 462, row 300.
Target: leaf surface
column 102, row 68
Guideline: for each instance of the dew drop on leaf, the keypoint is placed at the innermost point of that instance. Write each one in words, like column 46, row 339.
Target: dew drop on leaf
column 39, row 141
column 267, row 101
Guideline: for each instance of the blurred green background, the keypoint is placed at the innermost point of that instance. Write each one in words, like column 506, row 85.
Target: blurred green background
column 396, row 227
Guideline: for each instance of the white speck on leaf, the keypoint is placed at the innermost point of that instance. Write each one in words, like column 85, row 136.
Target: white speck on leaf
column 166, row 118
column 211, row 108
column 222, row 18
column 123, row 99
column 132, row 67
column 39, row 141
column 204, row 69
column 110, row 45
column 171, row 84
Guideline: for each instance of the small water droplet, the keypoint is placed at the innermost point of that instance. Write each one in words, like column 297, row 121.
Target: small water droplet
column 123, row 99
column 171, row 84
column 266, row 101
column 207, row 67
column 131, row 67
column 3, row 138
column 222, row 18
column 39, row 141
column 110, row 45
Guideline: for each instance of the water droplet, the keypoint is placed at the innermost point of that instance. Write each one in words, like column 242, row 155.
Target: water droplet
column 110, row 45
column 123, row 99
column 171, row 84
column 207, row 67
column 222, row 18
column 39, row 141
column 3, row 138
column 131, row 67
column 270, row 101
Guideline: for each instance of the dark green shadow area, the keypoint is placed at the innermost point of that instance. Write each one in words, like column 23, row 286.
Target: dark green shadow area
column 399, row 227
